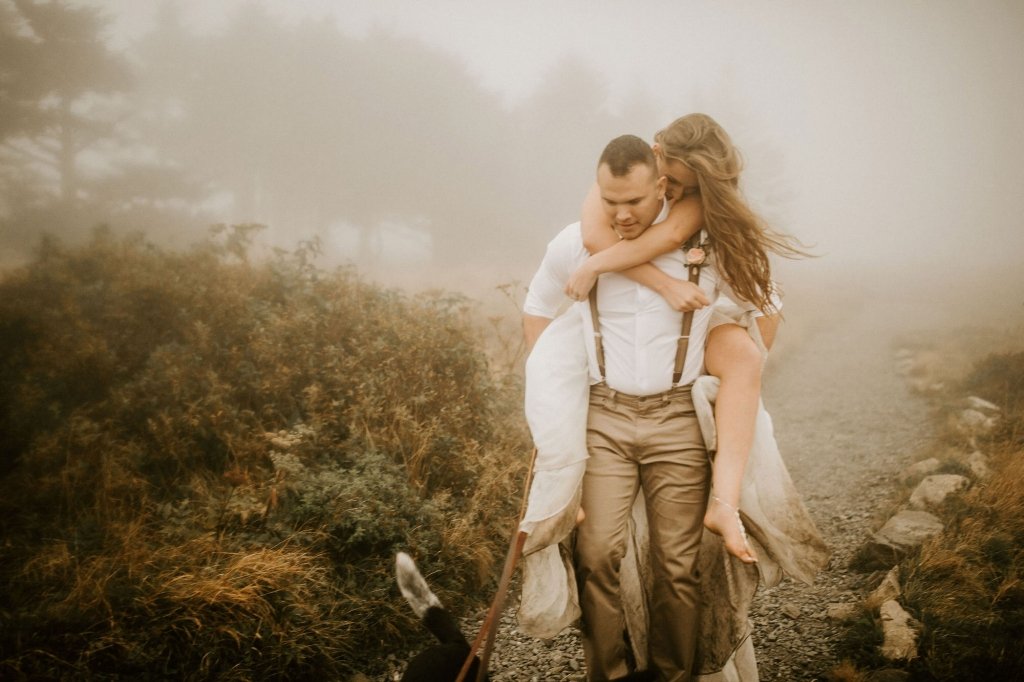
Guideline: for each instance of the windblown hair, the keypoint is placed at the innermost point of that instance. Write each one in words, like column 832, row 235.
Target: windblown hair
column 740, row 240
column 624, row 152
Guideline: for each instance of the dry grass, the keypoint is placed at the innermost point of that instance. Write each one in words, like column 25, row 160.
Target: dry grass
column 968, row 583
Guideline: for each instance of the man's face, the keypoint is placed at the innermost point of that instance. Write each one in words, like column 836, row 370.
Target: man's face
column 680, row 181
column 631, row 201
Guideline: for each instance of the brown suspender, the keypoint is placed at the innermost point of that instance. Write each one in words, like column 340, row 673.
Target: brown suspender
column 598, row 343
column 684, row 336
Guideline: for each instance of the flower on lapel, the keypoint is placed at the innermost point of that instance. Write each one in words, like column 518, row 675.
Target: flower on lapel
column 696, row 256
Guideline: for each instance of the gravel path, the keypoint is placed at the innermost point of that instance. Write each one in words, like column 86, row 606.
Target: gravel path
column 846, row 423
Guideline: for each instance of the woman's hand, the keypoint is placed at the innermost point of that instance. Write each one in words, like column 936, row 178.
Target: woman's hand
column 683, row 295
column 581, row 282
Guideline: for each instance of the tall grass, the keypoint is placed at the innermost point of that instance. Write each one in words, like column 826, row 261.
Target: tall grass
column 209, row 463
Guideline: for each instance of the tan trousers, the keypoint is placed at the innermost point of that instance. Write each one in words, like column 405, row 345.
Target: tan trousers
column 654, row 443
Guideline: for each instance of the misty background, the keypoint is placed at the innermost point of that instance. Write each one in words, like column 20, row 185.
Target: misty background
column 443, row 144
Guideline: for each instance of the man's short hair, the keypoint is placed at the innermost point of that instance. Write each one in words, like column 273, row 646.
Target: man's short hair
column 624, row 152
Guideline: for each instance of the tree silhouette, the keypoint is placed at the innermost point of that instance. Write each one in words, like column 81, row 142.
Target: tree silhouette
column 56, row 76
column 71, row 155
column 298, row 126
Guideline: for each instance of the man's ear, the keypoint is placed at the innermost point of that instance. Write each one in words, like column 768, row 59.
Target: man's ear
column 662, row 186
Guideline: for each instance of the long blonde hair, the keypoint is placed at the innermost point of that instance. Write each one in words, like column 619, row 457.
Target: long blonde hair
column 740, row 240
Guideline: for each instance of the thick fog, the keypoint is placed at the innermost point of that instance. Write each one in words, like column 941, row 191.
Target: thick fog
column 443, row 143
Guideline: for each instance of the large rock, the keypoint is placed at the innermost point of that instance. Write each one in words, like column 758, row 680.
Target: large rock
column 902, row 533
column 887, row 590
column 920, row 369
column 899, row 632
column 977, row 463
column 972, row 422
column 933, row 490
column 918, row 470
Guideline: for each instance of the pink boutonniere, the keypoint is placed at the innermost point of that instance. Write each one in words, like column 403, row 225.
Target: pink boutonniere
column 696, row 256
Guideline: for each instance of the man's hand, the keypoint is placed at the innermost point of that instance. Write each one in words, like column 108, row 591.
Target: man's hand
column 683, row 295
column 581, row 282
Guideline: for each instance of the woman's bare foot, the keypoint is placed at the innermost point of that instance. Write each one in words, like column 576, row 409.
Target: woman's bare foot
column 722, row 519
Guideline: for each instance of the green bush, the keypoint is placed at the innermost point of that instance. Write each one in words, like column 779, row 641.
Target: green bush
column 209, row 463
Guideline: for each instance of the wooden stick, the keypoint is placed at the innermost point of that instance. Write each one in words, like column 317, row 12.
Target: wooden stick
column 489, row 628
column 515, row 551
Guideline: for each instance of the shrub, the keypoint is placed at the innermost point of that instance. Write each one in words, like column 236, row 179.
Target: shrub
column 209, row 463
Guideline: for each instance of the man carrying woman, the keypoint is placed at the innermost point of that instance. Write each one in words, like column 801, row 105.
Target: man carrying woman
column 642, row 432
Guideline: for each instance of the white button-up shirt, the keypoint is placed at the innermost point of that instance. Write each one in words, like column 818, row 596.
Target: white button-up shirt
column 640, row 330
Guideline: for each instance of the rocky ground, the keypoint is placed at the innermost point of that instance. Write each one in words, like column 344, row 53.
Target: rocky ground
column 846, row 424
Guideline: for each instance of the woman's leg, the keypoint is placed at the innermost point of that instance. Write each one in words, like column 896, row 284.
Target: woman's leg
column 734, row 358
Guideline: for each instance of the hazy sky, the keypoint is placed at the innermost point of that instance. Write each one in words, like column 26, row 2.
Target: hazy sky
column 884, row 130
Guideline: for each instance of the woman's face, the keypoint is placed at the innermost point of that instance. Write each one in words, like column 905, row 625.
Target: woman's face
column 680, row 181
